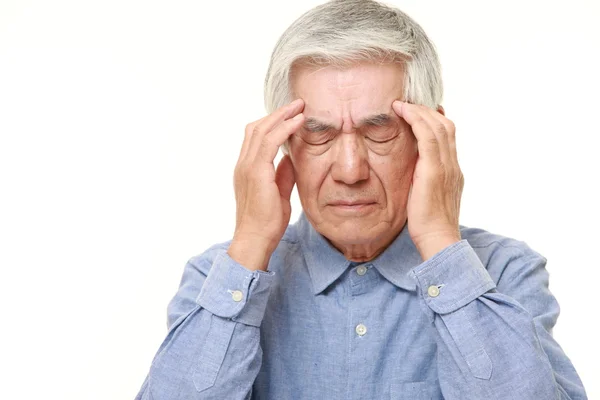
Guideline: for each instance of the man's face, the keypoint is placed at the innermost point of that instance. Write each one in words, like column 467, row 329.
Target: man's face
column 354, row 157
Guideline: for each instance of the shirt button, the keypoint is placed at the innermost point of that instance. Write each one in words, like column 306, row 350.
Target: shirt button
column 433, row 291
column 361, row 329
column 237, row 295
column 361, row 270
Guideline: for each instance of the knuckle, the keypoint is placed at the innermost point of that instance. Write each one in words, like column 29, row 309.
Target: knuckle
column 248, row 133
column 432, row 142
column 439, row 128
column 257, row 130
column 420, row 120
column 454, row 172
column 237, row 181
column 251, row 125
column 250, row 128
column 266, row 143
column 450, row 127
column 239, row 170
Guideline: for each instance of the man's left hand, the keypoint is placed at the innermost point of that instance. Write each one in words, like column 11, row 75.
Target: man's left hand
column 434, row 201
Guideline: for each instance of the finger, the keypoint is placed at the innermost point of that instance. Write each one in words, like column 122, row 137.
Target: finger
column 451, row 130
column 450, row 136
column 278, row 116
column 438, row 127
column 427, row 142
column 270, row 143
column 284, row 177
column 248, row 133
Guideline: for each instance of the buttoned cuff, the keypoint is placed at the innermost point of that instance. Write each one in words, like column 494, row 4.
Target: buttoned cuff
column 452, row 278
column 233, row 291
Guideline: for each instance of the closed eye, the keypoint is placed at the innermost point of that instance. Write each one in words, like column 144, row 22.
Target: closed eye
column 382, row 141
column 316, row 139
column 382, row 134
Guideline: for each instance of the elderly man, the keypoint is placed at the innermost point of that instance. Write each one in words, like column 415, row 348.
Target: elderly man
column 376, row 292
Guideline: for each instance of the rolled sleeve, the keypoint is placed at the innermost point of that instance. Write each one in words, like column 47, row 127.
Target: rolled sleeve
column 233, row 291
column 457, row 273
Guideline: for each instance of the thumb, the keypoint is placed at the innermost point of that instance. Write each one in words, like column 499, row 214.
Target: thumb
column 284, row 177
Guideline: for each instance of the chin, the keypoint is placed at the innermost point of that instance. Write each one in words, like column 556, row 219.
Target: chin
column 353, row 230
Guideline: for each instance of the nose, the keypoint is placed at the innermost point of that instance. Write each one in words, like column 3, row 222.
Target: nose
column 350, row 165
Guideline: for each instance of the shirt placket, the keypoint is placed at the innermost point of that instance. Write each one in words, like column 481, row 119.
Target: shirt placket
column 361, row 279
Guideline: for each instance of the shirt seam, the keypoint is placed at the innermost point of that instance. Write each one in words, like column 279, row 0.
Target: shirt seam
column 522, row 253
column 506, row 246
column 470, row 294
column 440, row 260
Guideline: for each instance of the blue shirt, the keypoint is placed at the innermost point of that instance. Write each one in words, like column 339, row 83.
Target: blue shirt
column 472, row 322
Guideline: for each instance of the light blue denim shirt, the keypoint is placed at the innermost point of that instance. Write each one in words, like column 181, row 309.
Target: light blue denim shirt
column 472, row 322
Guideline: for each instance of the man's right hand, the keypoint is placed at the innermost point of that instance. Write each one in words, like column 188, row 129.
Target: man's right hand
column 262, row 194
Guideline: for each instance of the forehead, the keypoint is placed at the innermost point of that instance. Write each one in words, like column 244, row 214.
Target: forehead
column 331, row 93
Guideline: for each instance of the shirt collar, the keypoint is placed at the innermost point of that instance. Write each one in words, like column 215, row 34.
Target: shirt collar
column 326, row 264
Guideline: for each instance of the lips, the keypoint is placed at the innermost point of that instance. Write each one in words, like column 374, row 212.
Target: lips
column 351, row 203
column 352, row 208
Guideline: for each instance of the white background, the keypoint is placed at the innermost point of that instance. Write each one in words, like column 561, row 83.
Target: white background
column 121, row 122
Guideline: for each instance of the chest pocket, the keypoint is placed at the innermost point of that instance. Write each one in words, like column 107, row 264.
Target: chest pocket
column 425, row 390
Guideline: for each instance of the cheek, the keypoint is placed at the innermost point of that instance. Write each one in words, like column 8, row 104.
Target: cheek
column 310, row 169
column 395, row 168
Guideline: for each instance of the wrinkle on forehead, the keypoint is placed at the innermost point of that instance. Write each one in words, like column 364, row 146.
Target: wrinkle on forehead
column 344, row 96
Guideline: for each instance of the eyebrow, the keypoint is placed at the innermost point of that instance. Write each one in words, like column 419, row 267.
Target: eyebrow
column 314, row 125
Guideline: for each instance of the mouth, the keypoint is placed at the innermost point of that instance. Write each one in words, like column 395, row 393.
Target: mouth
column 352, row 206
column 350, row 203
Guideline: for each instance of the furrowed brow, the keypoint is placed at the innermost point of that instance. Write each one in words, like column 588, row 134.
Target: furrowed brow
column 314, row 125
column 376, row 120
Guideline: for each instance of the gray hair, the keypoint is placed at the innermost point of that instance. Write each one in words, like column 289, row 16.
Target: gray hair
column 344, row 32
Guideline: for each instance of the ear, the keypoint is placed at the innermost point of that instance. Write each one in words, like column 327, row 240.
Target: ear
column 441, row 110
